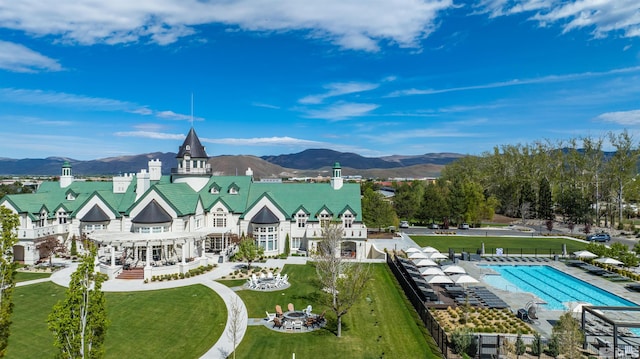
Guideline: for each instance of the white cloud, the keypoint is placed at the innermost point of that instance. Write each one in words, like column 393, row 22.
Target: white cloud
column 18, row 58
column 263, row 141
column 515, row 82
column 623, row 118
column 604, row 16
column 351, row 24
column 338, row 89
column 51, row 98
column 265, row 105
column 341, row 111
column 170, row 115
column 151, row 134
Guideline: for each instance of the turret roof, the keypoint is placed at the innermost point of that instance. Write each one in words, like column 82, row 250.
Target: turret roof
column 192, row 146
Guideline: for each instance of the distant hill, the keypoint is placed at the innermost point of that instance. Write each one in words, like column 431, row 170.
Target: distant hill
column 308, row 163
column 319, row 158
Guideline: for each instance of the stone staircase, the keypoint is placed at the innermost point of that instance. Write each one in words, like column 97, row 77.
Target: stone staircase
column 133, row 273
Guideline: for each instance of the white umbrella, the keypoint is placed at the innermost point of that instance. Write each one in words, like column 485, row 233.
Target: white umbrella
column 438, row 279
column 436, row 256
column 607, row 260
column 453, row 269
column 463, row 279
column 431, row 271
column 429, row 250
column 424, row 262
column 412, row 250
column 584, row 254
column 576, row 307
column 417, row 255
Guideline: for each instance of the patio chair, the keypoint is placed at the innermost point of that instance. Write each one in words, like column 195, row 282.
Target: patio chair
column 288, row 325
column 290, row 307
column 307, row 311
column 270, row 275
column 270, row 317
column 285, row 278
column 279, row 313
column 277, row 323
column 320, row 318
column 297, row 325
column 310, row 322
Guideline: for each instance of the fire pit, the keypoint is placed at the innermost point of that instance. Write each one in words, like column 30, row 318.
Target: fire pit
column 295, row 315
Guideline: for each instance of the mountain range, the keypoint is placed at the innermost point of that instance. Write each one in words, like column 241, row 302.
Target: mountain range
column 308, row 163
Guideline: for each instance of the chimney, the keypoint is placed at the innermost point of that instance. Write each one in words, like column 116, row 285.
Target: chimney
column 143, row 183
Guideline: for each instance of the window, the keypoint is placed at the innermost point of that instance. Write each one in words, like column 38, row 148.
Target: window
column 62, row 217
column 266, row 237
column 301, row 219
column 295, row 242
column 219, row 218
column 325, row 218
column 93, row 227
column 347, row 219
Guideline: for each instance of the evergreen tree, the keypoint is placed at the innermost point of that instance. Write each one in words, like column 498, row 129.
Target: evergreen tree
column 545, row 201
column 79, row 322
column 287, row 245
column 9, row 221
column 376, row 212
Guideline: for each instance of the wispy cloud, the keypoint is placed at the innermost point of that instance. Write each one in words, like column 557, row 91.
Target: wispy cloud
column 514, row 82
column 265, row 105
column 18, row 58
column 359, row 25
column 623, row 118
column 341, row 111
column 263, row 141
column 338, row 89
column 151, row 134
column 170, row 115
column 605, row 17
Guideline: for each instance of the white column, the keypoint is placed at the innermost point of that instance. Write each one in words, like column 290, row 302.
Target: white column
column 202, row 248
column 184, row 252
column 149, row 250
column 113, row 255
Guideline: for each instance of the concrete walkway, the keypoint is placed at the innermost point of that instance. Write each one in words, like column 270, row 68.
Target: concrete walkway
column 224, row 346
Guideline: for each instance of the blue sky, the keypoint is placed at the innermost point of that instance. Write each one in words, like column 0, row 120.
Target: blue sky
column 93, row 79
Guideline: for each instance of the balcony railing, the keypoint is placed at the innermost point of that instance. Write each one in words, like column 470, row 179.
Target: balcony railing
column 43, row 231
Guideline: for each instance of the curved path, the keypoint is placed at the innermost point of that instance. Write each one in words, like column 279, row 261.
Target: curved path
column 224, row 346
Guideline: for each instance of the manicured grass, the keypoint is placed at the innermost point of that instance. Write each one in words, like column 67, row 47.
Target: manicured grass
column 382, row 324
column 173, row 323
column 510, row 245
column 27, row 276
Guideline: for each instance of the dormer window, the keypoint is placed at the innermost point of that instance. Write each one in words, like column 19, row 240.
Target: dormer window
column 347, row 220
column 233, row 189
column 301, row 219
column 214, row 190
column 324, row 218
column 70, row 197
column 187, row 148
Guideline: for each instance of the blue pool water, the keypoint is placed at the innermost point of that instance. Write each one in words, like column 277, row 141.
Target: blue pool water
column 551, row 285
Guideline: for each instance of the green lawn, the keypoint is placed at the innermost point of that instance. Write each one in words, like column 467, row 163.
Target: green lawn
column 26, row 276
column 382, row 322
column 173, row 323
column 510, row 245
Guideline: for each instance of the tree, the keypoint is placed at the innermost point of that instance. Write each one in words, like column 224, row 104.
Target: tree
column 536, row 345
column 236, row 323
column 342, row 282
column 74, row 246
column 287, row 246
column 79, row 322
column 568, row 335
column 545, row 201
column 521, row 348
column 376, row 212
column 407, row 198
column 461, row 340
column 249, row 251
column 47, row 246
column 9, row 221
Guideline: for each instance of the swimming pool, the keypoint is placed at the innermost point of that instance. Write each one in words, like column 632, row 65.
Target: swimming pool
column 550, row 285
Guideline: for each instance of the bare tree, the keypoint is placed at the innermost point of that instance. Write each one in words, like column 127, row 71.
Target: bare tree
column 47, row 246
column 343, row 281
column 237, row 322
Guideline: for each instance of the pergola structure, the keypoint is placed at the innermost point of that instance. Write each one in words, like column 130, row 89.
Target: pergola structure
column 609, row 326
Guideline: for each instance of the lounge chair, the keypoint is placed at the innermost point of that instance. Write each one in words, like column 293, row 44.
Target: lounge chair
column 279, row 313
column 270, row 317
column 602, row 343
column 277, row 323
column 290, row 307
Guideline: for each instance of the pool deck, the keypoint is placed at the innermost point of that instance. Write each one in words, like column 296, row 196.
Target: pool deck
column 546, row 318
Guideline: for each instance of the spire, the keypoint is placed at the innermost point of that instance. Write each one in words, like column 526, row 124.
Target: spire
column 192, row 146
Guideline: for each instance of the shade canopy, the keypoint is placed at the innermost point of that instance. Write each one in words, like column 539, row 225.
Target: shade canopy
column 438, row 279
column 423, row 262
column 431, row 271
column 453, row 269
column 463, row 279
column 436, row 256
column 417, row 255
column 412, row 250
column 584, row 254
column 607, row 260
column 429, row 249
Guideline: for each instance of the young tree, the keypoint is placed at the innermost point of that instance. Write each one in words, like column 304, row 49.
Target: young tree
column 521, row 348
column 249, row 251
column 376, row 212
column 79, row 322
column 236, row 323
column 536, row 345
column 287, row 246
column 569, row 336
column 343, row 282
column 47, row 246
column 9, row 221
